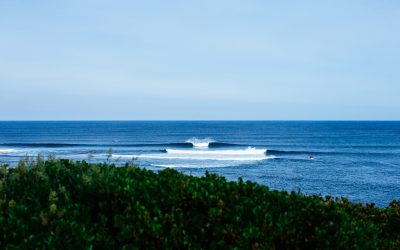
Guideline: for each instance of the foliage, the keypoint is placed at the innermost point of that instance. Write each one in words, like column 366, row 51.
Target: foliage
column 65, row 204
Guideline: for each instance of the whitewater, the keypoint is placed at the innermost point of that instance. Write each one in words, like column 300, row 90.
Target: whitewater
column 201, row 152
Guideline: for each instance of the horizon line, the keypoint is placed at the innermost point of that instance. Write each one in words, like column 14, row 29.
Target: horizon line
column 202, row 120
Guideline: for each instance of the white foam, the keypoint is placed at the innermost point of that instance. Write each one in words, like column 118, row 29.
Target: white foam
column 189, row 166
column 7, row 150
column 125, row 156
column 247, row 151
column 248, row 154
column 175, row 166
column 200, row 143
column 203, row 157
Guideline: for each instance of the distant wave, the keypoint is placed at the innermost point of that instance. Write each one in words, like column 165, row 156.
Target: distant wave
column 331, row 153
column 303, row 152
column 46, row 145
column 223, row 145
column 289, row 152
column 191, row 143
column 7, row 150
column 55, row 145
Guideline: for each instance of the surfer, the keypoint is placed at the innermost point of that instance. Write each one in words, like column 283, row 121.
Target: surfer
column 311, row 158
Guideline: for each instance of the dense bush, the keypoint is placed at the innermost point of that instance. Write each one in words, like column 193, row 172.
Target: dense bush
column 64, row 204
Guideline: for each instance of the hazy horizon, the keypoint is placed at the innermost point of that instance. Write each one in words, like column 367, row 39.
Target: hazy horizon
column 226, row 60
column 192, row 120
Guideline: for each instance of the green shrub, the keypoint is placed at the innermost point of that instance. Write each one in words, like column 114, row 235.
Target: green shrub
column 65, row 204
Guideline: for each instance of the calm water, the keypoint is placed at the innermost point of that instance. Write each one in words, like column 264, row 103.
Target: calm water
column 358, row 160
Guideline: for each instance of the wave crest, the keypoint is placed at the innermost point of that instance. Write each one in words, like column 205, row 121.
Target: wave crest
column 200, row 143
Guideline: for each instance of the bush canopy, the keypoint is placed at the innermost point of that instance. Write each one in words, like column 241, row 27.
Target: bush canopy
column 60, row 204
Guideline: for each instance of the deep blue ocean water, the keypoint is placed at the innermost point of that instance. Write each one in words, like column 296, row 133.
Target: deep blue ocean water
column 359, row 160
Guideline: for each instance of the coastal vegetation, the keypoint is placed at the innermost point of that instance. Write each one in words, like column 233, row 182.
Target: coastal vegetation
column 57, row 203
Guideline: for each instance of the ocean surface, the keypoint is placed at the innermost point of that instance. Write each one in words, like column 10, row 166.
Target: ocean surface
column 359, row 160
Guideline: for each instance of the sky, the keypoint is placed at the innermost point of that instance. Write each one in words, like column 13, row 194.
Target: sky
column 200, row 60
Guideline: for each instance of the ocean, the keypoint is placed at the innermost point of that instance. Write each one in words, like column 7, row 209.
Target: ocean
column 359, row 160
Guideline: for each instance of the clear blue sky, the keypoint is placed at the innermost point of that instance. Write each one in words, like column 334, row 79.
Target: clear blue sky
column 77, row 59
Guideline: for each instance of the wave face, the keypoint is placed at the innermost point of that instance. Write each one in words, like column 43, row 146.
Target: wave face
column 200, row 143
column 289, row 152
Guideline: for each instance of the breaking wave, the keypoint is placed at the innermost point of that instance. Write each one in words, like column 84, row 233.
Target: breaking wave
column 7, row 150
column 248, row 154
column 248, row 151
column 200, row 143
